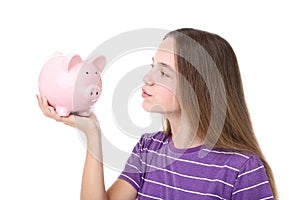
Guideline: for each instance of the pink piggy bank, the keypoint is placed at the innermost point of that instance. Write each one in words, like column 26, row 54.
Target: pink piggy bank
column 70, row 84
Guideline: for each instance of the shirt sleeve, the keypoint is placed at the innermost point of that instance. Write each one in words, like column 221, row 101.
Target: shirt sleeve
column 252, row 182
column 133, row 171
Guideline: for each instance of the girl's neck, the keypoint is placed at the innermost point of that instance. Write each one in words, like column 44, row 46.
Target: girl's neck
column 183, row 135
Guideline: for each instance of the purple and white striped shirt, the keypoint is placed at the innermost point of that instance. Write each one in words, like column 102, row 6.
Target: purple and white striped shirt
column 158, row 170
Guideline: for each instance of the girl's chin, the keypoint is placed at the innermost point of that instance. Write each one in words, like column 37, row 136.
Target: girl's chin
column 153, row 108
column 146, row 107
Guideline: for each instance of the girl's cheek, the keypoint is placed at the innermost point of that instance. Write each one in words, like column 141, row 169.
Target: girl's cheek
column 154, row 77
column 168, row 84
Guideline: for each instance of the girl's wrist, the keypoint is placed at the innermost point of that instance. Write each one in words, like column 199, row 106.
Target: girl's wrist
column 93, row 144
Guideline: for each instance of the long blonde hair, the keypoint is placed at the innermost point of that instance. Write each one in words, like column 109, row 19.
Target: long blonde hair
column 237, row 132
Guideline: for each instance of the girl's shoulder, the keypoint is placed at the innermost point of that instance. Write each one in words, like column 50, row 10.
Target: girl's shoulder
column 159, row 135
column 154, row 138
column 153, row 141
column 235, row 159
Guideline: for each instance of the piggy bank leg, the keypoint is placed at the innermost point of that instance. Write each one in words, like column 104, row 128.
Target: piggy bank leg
column 84, row 113
column 62, row 111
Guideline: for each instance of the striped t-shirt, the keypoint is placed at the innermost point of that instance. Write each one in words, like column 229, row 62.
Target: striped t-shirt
column 158, row 170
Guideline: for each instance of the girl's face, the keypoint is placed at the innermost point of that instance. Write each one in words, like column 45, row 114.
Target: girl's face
column 160, row 82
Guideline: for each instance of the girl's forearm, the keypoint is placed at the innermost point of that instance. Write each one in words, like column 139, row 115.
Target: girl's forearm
column 93, row 187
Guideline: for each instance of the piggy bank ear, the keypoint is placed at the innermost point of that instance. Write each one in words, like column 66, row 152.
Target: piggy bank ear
column 57, row 53
column 72, row 60
column 99, row 62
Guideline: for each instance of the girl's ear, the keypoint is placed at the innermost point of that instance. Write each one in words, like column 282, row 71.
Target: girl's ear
column 99, row 62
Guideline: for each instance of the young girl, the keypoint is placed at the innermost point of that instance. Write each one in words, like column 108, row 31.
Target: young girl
column 207, row 150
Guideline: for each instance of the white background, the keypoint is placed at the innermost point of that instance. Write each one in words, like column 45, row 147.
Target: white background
column 42, row 159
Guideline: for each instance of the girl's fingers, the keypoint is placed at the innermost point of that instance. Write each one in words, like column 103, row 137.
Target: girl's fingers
column 41, row 104
column 50, row 112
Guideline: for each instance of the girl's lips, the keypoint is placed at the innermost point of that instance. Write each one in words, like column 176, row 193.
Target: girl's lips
column 145, row 94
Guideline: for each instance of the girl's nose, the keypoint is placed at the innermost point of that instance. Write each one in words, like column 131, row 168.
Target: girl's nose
column 148, row 79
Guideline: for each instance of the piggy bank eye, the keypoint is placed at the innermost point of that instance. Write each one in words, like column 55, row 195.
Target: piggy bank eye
column 86, row 72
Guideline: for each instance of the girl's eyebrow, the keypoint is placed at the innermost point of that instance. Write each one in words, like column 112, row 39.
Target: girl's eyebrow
column 163, row 64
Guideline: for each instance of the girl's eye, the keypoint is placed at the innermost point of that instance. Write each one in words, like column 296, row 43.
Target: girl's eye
column 164, row 74
column 152, row 65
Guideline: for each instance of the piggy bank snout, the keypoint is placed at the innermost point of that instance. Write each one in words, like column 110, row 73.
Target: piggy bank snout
column 93, row 92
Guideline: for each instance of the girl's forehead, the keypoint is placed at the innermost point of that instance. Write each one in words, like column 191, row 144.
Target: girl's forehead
column 165, row 53
column 167, row 44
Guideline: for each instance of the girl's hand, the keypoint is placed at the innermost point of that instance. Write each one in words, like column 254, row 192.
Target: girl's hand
column 88, row 125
